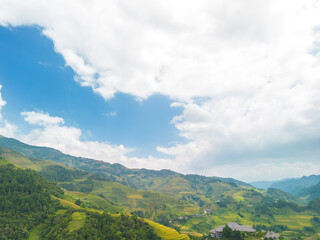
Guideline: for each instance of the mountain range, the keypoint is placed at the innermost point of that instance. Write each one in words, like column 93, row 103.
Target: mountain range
column 306, row 187
column 193, row 204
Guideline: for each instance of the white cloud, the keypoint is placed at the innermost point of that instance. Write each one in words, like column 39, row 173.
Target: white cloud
column 6, row 128
column 51, row 132
column 2, row 102
column 41, row 119
column 263, row 171
column 67, row 139
column 256, row 64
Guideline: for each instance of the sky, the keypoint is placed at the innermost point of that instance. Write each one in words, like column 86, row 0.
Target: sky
column 217, row 88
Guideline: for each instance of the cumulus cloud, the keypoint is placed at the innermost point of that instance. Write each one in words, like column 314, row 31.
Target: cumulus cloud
column 267, row 170
column 2, row 102
column 246, row 73
column 41, row 119
column 52, row 132
column 6, row 128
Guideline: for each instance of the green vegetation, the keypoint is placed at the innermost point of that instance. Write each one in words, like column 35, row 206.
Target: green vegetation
column 311, row 193
column 296, row 185
column 25, row 201
column 32, row 207
column 176, row 201
column 79, row 225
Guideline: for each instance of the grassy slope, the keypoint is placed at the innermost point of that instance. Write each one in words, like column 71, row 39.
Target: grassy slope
column 191, row 188
column 129, row 198
column 79, row 215
column 78, row 218
column 137, row 178
column 123, row 196
column 167, row 233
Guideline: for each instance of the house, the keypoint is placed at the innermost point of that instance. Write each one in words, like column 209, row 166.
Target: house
column 207, row 211
column 217, row 232
column 272, row 235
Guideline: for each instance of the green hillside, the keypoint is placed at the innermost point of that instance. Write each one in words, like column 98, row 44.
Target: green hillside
column 34, row 208
column 25, row 201
column 310, row 193
column 169, row 198
column 136, row 178
column 296, row 185
column 99, row 192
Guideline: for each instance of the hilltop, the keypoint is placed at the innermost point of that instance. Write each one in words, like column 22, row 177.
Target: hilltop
column 192, row 204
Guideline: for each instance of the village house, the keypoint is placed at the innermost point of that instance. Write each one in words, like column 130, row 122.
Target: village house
column 217, row 232
column 207, row 211
column 272, row 235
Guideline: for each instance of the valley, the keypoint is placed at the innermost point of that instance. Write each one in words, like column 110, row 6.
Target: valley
column 189, row 204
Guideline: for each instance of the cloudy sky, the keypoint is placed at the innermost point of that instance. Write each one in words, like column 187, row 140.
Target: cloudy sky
column 226, row 88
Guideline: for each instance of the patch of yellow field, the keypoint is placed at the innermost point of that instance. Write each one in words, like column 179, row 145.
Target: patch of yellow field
column 167, row 233
column 185, row 228
column 135, row 196
column 193, row 234
column 66, row 203
column 61, row 211
column 294, row 221
column 191, row 210
column 238, row 196
column 77, row 222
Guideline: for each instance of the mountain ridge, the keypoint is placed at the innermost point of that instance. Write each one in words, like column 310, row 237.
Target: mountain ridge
column 193, row 202
column 47, row 153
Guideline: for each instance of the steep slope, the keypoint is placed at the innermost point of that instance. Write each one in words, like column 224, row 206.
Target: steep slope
column 25, row 201
column 310, row 193
column 34, row 208
column 181, row 197
column 136, row 178
column 273, row 194
column 294, row 186
column 99, row 192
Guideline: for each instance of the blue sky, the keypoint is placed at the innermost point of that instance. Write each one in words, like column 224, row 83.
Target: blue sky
column 219, row 88
column 35, row 77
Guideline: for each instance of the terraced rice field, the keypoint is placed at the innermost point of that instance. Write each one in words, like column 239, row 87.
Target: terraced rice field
column 66, row 203
column 294, row 221
column 77, row 222
column 167, row 233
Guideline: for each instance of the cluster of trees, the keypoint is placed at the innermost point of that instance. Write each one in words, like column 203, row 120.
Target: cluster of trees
column 25, row 201
column 314, row 205
column 58, row 173
column 228, row 233
column 275, row 228
column 99, row 226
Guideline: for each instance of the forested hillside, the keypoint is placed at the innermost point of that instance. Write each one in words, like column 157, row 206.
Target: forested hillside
column 310, row 193
column 192, row 204
column 32, row 207
column 25, row 201
column 296, row 185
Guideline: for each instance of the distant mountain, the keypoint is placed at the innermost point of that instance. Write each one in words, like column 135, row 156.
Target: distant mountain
column 167, row 197
column 296, row 185
column 310, row 193
column 276, row 194
column 263, row 184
